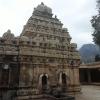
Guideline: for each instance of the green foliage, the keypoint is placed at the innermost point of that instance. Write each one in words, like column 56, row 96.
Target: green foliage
column 97, row 58
column 96, row 25
column 98, row 5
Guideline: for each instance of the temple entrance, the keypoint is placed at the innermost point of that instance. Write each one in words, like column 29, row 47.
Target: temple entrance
column 4, row 77
column 64, row 82
column 44, row 82
column 64, row 79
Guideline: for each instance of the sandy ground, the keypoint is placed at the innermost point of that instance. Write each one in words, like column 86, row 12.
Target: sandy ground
column 89, row 93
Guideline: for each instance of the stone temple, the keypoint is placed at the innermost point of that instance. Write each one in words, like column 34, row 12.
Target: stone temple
column 41, row 61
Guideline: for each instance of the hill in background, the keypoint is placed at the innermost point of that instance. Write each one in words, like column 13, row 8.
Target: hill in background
column 88, row 52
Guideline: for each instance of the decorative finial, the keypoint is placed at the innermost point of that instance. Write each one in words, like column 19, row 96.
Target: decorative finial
column 42, row 3
column 8, row 31
column 56, row 16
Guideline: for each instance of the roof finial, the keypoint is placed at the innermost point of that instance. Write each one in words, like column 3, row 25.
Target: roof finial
column 42, row 3
column 8, row 31
column 56, row 16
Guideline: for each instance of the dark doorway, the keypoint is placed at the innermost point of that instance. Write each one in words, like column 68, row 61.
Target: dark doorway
column 4, row 77
column 64, row 83
column 44, row 82
column 95, row 73
column 64, row 79
column 83, row 76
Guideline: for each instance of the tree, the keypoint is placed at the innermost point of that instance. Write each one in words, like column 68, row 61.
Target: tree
column 96, row 25
column 97, row 58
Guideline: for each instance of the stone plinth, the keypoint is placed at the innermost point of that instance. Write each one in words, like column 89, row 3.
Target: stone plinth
column 46, row 97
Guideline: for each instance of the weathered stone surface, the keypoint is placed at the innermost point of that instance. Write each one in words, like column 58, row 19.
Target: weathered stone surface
column 42, row 58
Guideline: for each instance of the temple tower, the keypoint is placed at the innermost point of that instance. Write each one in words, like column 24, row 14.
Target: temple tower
column 46, row 60
column 54, row 59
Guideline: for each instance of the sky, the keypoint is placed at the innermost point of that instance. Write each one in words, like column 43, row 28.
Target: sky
column 74, row 14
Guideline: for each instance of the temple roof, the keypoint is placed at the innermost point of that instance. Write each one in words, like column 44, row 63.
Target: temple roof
column 8, row 35
column 42, row 9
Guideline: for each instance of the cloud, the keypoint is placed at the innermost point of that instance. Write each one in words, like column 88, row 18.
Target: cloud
column 82, row 38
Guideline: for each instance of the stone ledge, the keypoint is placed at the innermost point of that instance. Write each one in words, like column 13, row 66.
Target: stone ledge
column 45, row 97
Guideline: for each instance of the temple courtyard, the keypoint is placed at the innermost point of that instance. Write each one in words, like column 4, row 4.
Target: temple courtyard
column 89, row 92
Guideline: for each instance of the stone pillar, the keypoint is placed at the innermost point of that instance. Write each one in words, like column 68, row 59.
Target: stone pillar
column 89, row 76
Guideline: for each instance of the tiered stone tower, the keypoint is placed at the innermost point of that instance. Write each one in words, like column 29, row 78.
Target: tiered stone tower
column 46, row 60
